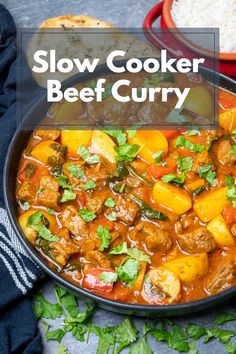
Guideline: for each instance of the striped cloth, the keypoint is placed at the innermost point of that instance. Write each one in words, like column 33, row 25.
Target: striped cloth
column 18, row 273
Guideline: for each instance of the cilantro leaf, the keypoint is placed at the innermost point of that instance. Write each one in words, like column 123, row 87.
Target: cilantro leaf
column 195, row 331
column 176, row 116
column 87, row 215
column 154, row 79
column 223, row 317
column 223, row 335
column 112, row 216
column 110, row 203
column 182, row 141
column 141, row 347
column 62, row 349
column 68, row 195
column 36, row 222
column 157, row 156
column 25, row 206
column 67, row 300
column 62, row 181
column 206, row 173
column 230, row 348
column 56, row 334
column 104, row 236
column 192, row 132
column 108, row 277
column 131, row 133
column 89, row 185
column 173, row 178
column 50, row 211
column 47, row 309
column 118, row 134
column 231, row 192
column 127, row 152
column 134, row 253
column 84, row 153
column 75, row 171
column 128, row 271
column 184, row 164
column 233, row 150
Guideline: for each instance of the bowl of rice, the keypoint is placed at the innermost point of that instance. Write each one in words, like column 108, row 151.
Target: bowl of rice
column 205, row 14
column 175, row 15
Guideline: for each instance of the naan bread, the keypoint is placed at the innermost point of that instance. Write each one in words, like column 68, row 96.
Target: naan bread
column 69, row 43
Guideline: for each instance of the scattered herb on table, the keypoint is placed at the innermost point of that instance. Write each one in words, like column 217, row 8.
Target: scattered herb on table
column 79, row 322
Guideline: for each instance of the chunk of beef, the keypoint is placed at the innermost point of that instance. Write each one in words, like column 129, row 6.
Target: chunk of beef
column 154, row 238
column 118, row 233
column 199, row 240
column 47, row 134
column 27, row 191
column 98, row 258
column 73, row 171
column 64, row 248
column 95, row 204
column 127, row 211
column 71, row 220
column 221, row 278
column 48, row 193
column 200, row 159
column 223, row 153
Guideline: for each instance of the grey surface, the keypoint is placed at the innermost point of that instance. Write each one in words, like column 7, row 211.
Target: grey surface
column 126, row 14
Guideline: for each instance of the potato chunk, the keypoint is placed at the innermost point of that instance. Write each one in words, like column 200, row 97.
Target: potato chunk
column 210, row 204
column 151, row 141
column 220, row 231
column 171, row 197
column 189, row 268
column 103, row 145
column 73, row 139
column 161, row 286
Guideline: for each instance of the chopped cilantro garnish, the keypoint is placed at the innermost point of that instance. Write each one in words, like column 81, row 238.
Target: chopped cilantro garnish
column 176, row 116
column 134, row 253
column 104, row 236
column 36, row 222
column 154, row 79
column 231, row 193
column 206, row 173
column 192, row 132
column 50, row 211
column 131, row 133
column 87, row 215
column 67, row 195
column 118, row 135
column 223, row 317
column 75, row 171
column 128, row 271
column 84, row 153
column 108, row 277
column 157, row 156
column 89, row 185
column 182, row 141
column 62, row 181
column 233, row 150
column 112, row 216
column 127, row 152
column 173, row 178
column 25, row 205
column 184, row 164
column 110, row 203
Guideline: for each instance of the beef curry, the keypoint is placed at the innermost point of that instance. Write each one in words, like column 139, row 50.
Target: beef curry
column 136, row 216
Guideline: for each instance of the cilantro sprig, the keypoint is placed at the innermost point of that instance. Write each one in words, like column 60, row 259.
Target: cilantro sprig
column 36, row 221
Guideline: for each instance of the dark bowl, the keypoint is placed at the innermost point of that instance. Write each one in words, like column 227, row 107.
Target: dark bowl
column 18, row 143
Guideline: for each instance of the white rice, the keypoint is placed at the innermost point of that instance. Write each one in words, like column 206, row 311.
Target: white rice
column 209, row 13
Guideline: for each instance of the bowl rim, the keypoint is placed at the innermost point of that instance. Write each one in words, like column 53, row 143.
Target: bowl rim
column 117, row 306
column 167, row 5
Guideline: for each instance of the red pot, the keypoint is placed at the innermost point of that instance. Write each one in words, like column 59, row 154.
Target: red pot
column 179, row 46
